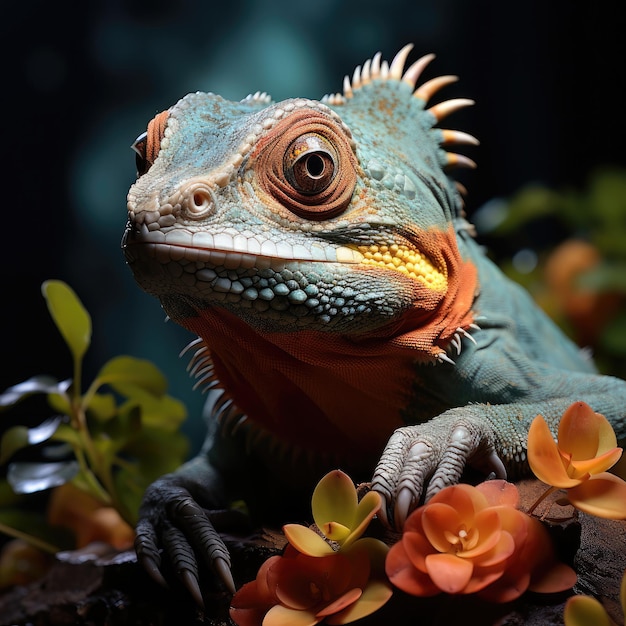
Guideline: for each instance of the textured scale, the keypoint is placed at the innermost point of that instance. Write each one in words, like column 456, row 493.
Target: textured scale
column 345, row 315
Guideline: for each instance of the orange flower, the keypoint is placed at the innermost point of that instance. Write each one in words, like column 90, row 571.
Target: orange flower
column 300, row 590
column 586, row 447
column 474, row 540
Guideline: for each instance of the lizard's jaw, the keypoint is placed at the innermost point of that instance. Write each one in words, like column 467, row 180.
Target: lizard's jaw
column 288, row 283
column 231, row 251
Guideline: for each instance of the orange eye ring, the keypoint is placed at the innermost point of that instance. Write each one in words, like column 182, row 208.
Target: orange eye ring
column 306, row 164
column 148, row 144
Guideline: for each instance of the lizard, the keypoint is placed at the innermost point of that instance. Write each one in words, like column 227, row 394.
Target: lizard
column 346, row 315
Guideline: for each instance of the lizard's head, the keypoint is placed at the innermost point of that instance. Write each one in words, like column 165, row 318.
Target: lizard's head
column 333, row 216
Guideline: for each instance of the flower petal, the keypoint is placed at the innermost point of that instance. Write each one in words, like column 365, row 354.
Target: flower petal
column 335, row 531
column 603, row 495
column 342, row 602
column 537, row 556
column 514, row 522
column 499, row 551
column 544, row 457
column 366, row 509
column 306, row 540
column 280, row 615
column 248, row 605
column 553, row 578
column 334, row 500
column 585, row 610
column 441, row 524
column 368, row 554
column 450, row 573
column 488, row 527
column 375, row 594
column 417, row 548
column 597, row 464
column 465, row 499
column 405, row 576
column 499, row 493
column 302, row 582
column 583, row 433
column 508, row 587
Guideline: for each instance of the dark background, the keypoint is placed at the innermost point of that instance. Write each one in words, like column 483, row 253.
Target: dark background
column 81, row 80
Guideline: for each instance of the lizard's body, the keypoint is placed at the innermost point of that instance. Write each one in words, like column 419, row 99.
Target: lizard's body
column 319, row 251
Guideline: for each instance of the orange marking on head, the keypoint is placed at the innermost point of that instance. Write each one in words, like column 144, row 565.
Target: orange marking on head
column 154, row 135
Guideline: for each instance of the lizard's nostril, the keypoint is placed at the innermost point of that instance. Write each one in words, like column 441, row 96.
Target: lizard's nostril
column 199, row 201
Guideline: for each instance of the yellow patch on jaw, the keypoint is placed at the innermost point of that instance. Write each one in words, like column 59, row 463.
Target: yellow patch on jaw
column 407, row 260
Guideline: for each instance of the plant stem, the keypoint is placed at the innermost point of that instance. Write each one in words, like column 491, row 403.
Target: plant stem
column 541, row 498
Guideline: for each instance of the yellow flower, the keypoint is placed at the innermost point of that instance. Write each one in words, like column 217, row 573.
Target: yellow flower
column 337, row 513
column 586, row 447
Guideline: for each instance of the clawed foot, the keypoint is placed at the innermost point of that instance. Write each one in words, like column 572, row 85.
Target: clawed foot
column 175, row 527
column 421, row 460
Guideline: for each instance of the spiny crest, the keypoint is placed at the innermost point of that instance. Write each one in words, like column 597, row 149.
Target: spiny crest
column 378, row 69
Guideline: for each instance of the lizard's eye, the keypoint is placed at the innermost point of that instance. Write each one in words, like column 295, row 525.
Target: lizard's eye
column 148, row 144
column 307, row 164
column 139, row 146
column 310, row 164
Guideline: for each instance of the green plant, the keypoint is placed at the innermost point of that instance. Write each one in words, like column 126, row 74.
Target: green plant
column 115, row 438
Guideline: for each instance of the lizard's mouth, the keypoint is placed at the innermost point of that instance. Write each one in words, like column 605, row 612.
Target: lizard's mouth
column 243, row 252
column 232, row 251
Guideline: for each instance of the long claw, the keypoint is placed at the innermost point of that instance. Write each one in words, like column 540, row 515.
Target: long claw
column 222, row 568
column 496, row 464
column 147, row 552
column 404, row 505
column 191, row 583
column 152, row 568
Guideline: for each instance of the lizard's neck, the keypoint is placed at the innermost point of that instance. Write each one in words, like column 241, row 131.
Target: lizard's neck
column 311, row 389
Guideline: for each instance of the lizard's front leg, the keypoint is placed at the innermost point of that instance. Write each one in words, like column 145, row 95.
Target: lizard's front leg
column 421, row 459
column 174, row 524
column 425, row 458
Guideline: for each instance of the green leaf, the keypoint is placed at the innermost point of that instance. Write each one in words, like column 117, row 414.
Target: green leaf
column 165, row 412
column 19, row 437
column 69, row 315
column 158, row 452
column 33, row 477
column 122, row 371
column 125, row 426
column 151, row 455
column 67, row 434
column 102, row 406
column 36, row 384
column 60, row 402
